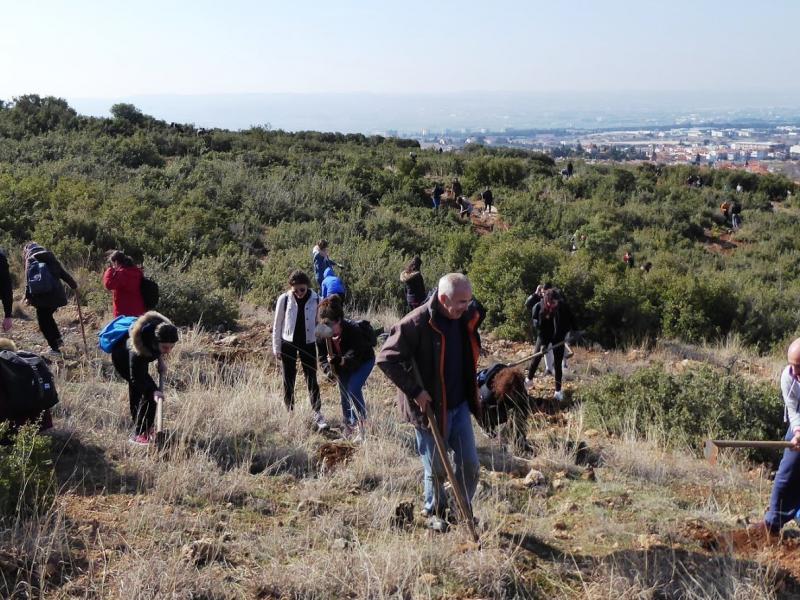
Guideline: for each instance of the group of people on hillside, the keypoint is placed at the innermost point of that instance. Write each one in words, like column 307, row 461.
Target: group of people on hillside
column 465, row 207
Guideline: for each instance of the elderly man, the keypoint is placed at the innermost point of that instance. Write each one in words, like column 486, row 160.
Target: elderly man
column 431, row 356
column 785, row 500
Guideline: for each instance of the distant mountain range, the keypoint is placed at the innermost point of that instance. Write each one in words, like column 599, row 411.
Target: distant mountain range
column 467, row 111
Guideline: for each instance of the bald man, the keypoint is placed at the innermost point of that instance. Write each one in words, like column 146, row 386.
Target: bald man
column 431, row 356
column 785, row 499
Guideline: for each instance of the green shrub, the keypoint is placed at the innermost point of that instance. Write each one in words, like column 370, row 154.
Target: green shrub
column 27, row 482
column 686, row 407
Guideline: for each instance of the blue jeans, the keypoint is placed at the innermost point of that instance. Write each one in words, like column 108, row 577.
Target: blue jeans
column 461, row 440
column 785, row 499
column 352, row 392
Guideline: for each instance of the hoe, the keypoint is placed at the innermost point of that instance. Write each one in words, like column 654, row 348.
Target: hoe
column 712, row 447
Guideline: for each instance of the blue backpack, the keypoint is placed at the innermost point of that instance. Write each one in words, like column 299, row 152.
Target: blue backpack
column 115, row 331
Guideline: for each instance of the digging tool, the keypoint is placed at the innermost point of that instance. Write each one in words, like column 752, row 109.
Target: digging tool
column 541, row 352
column 711, row 450
column 463, row 506
column 161, row 435
column 80, row 318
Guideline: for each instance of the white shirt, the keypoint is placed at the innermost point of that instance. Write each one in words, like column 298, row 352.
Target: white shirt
column 790, row 388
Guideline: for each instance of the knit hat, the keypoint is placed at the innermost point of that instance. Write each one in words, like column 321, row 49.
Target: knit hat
column 166, row 333
column 330, row 309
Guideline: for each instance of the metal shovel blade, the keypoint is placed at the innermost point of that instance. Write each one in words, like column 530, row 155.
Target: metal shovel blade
column 711, row 450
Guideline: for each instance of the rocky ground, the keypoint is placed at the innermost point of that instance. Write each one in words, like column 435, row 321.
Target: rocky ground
column 249, row 502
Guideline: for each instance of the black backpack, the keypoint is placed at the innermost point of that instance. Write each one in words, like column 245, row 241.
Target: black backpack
column 149, row 290
column 494, row 413
column 39, row 278
column 28, row 385
column 369, row 333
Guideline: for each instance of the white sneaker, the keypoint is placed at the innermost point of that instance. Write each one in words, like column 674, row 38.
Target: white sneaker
column 320, row 421
column 528, row 383
column 559, row 396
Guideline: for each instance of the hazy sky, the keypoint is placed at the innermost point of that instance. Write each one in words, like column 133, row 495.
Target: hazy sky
column 85, row 49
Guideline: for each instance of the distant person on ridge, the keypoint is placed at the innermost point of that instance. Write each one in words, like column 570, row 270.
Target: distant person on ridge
column 488, row 199
column 457, row 189
column 124, row 279
column 570, row 169
column 464, row 207
column 332, row 285
column 436, row 195
column 628, row 259
column 411, row 277
column 322, row 261
column 45, row 292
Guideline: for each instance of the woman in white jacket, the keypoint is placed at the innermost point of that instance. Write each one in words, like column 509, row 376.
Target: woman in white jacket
column 293, row 336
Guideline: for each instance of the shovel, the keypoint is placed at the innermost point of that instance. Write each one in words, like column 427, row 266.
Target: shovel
column 161, row 435
column 541, row 352
column 711, row 450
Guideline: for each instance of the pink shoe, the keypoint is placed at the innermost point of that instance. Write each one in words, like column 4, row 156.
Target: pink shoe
column 143, row 439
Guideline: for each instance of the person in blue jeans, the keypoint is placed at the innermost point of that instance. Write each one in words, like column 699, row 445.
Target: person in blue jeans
column 431, row 356
column 349, row 357
column 784, row 501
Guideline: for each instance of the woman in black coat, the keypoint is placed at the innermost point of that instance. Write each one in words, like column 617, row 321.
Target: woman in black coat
column 45, row 292
column 415, row 285
column 552, row 319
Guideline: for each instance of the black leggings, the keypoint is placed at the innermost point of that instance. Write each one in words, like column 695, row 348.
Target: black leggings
column 142, row 405
column 308, row 359
column 558, row 358
column 48, row 327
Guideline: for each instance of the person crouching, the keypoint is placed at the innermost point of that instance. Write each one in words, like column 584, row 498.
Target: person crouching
column 351, row 359
column 505, row 405
column 151, row 338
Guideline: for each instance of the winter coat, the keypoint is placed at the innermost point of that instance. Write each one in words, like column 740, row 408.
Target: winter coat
column 457, row 189
column 6, row 290
column 286, row 318
column 331, row 284
column 354, row 350
column 125, row 284
column 141, row 347
column 415, row 287
column 553, row 329
column 321, row 264
column 416, row 343
column 57, row 297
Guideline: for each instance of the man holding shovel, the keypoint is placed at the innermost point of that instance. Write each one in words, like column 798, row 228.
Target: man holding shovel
column 431, row 356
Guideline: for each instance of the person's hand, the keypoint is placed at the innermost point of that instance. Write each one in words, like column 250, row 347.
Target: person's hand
column 795, row 442
column 158, row 395
column 7, row 324
column 423, row 399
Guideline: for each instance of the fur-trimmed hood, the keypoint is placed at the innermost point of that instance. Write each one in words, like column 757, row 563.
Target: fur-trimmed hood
column 142, row 339
column 406, row 276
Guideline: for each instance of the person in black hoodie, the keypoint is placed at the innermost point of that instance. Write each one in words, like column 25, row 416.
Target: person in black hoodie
column 6, row 292
column 411, row 277
column 351, row 357
column 151, row 338
column 552, row 319
column 45, row 292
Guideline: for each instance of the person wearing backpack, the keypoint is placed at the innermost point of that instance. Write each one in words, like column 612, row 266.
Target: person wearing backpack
column 45, row 292
column 151, row 337
column 124, row 279
column 332, row 285
column 349, row 352
column 293, row 337
column 322, row 261
column 6, row 292
column 411, row 277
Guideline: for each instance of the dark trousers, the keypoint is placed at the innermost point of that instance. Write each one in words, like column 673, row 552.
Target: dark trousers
column 48, row 327
column 142, row 405
column 558, row 358
column 308, row 359
column 785, row 499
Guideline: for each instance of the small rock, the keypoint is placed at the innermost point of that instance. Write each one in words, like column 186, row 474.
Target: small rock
column 558, row 484
column 535, row 478
column 588, row 474
column 231, row 340
column 591, row 433
column 201, row 551
column 427, row 579
column 560, row 526
column 339, row 544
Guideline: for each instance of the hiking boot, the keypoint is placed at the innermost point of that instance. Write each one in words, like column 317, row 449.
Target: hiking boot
column 53, row 353
column 320, row 421
column 558, row 396
column 528, row 383
column 437, row 524
column 347, row 430
column 142, row 439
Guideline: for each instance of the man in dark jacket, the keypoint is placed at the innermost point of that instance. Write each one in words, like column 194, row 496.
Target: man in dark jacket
column 45, row 292
column 431, row 356
column 488, row 200
column 151, row 337
column 6, row 292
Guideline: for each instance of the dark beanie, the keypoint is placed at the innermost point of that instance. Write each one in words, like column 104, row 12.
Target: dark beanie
column 330, row 309
column 166, row 333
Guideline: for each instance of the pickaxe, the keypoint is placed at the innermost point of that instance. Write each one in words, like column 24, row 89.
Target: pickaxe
column 711, row 450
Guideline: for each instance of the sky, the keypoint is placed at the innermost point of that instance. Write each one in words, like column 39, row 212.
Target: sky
column 87, row 49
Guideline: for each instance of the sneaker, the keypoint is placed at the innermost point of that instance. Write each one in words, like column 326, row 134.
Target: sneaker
column 528, row 383
column 558, row 396
column 347, row 430
column 437, row 524
column 549, row 372
column 53, row 353
column 143, row 439
column 320, row 421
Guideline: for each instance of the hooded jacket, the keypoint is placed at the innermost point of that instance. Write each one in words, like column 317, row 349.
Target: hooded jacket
column 331, row 284
column 355, row 350
column 6, row 290
column 416, row 343
column 286, row 316
column 125, row 284
column 141, row 348
column 553, row 329
column 415, row 287
column 56, row 297
column 321, row 263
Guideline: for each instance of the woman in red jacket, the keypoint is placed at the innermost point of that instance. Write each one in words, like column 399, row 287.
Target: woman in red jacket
column 124, row 279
